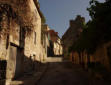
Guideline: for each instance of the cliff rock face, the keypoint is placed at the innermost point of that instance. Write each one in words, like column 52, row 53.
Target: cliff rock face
column 73, row 33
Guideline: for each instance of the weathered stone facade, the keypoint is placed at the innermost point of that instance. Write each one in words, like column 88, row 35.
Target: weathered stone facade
column 45, row 41
column 101, row 57
column 58, row 50
column 55, row 44
column 24, row 40
column 72, row 34
column 9, row 41
column 32, row 47
column 20, row 48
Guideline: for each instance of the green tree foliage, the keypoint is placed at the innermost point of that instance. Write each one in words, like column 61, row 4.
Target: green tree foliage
column 98, row 30
column 101, row 19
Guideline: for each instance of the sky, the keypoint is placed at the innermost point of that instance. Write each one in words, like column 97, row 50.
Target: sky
column 59, row 12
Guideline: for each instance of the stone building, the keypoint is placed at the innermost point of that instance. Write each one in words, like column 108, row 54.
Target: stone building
column 102, row 55
column 58, row 50
column 45, row 40
column 20, row 38
column 100, row 59
column 55, row 44
column 72, row 33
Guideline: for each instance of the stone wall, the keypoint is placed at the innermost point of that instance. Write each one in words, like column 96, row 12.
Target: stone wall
column 72, row 33
column 3, row 50
column 21, row 58
column 74, row 57
column 102, row 56
column 58, row 48
column 32, row 48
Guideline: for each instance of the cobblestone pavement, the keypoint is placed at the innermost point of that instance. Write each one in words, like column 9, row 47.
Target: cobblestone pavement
column 65, row 73
column 32, row 77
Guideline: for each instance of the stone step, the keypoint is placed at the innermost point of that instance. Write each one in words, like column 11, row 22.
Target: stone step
column 54, row 59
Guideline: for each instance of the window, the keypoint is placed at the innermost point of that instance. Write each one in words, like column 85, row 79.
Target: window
column 34, row 37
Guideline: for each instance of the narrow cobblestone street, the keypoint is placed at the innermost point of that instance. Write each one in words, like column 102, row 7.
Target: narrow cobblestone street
column 65, row 73
column 55, row 42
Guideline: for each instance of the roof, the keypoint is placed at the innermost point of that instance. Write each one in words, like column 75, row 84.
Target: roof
column 53, row 33
column 38, row 7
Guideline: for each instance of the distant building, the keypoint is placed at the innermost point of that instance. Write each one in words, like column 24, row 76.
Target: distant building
column 58, row 50
column 73, row 33
column 55, row 44
column 45, row 37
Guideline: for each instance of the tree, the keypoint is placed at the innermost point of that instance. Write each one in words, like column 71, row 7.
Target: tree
column 98, row 30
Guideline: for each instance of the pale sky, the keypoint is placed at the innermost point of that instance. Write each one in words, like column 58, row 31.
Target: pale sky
column 59, row 12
